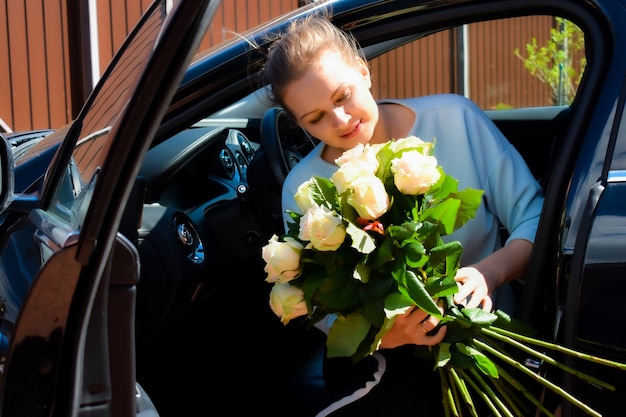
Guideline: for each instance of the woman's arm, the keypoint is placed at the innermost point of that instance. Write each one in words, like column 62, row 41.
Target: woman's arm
column 481, row 279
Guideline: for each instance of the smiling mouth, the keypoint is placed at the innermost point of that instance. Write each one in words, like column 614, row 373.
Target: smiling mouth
column 355, row 130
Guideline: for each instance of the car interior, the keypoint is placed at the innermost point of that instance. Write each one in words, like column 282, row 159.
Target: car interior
column 206, row 200
column 186, row 280
column 206, row 214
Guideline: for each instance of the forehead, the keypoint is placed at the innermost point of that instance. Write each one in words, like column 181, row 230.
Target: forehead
column 320, row 81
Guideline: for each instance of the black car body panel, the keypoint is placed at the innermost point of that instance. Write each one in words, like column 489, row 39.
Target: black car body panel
column 63, row 263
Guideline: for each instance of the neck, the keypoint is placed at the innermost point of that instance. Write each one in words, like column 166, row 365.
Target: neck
column 395, row 121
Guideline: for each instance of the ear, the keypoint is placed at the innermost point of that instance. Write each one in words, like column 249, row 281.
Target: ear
column 364, row 69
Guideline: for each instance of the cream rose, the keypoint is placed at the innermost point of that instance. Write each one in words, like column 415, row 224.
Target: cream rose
column 287, row 302
column 303, row 196
column 323, row 228
column 410, row 142
column 282, row 259
column 362, row 154
column 349, row 173
column 368, row 196
column 414, row 173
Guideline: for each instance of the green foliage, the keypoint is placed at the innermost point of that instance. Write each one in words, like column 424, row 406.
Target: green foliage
column 382, row 267
column 560, row 62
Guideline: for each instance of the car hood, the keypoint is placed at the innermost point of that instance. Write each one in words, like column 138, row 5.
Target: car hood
column 32, row 158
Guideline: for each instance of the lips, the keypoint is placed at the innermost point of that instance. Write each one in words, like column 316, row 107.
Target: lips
column 356, row 129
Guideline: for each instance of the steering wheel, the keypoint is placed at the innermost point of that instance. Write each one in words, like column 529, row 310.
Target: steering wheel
column 284, row 141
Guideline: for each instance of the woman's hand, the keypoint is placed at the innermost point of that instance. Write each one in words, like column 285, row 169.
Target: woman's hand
column 479, row 280
column 473, row 291
column 413, row 327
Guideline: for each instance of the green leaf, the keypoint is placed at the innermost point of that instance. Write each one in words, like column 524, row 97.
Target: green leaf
column 443, row 354
column 324, row 192
column 444, row 213
column 446, row 258
column 384, row 156
column 479, row 316
column 470, row 201
column 397, row 303
column 361, row 273
column 417, row 292
column 414, row 253
column 383, row 254
column 361, row 240
column 483, row 363
column 293, row 226
column 404, row 231
column 346, row 334
column 444, row 187
column 338, row 291
column 373, row 295
column 442, row 287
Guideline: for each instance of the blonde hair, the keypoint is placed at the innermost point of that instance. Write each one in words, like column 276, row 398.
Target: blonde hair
column 292, row 52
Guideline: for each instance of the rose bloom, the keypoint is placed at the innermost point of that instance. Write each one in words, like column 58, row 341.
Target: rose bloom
column 303, row 196
column 282, row 259
column 410, row 142
column 323, row 228
column 414, row 173
column 287, row 302
column 351, row 172
column 368, row 197
column 365, row 154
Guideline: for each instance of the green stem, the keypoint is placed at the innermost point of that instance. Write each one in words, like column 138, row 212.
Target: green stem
column 509, row 396
column 515, row 384
column 487, row 396
column 548, row 359
column 539, row 378
column 559, row 348
column 447, row 399
column 460, row 383
column 456, row 393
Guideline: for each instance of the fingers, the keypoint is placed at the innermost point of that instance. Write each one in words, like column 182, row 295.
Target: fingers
column 473, row 291
column 414, row 327
column 487, row 304
column 430, row 335
column 417, row 314
column 429, row 339
column 437, row 337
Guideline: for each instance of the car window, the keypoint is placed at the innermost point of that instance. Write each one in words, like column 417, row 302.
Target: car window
column 72, row 196
column 528, row 61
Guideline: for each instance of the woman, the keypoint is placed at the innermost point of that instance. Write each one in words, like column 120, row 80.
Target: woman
column 317, row 76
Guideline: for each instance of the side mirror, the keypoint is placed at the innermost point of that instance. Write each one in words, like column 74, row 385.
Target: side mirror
column 7, row 173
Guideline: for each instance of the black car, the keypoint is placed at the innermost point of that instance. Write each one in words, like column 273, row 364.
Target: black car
column 131, row 281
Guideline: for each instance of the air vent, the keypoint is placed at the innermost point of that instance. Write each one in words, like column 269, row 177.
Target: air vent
column 245, row 145
column 226, row 157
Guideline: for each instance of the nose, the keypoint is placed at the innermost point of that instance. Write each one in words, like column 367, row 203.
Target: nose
column 340, row 117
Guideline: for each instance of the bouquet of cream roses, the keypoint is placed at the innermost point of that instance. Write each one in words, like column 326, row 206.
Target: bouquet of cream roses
column 367, row 246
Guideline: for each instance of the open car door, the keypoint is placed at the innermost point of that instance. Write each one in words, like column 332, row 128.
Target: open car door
column 66, row 272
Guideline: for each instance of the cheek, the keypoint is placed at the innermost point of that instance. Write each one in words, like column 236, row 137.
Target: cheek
column 364, row 105
column 319, row 130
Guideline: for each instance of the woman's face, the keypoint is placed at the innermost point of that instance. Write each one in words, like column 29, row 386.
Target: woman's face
column 333, row 102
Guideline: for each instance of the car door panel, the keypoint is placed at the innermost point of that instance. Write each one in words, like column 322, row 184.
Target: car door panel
column 594, row 319
column 537, row 134
column 68, row 248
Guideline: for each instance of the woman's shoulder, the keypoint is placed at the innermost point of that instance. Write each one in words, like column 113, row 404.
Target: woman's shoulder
column 437, row 101
column 312, row 164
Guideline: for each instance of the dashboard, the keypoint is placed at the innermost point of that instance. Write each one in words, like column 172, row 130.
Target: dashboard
column 194, row 218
